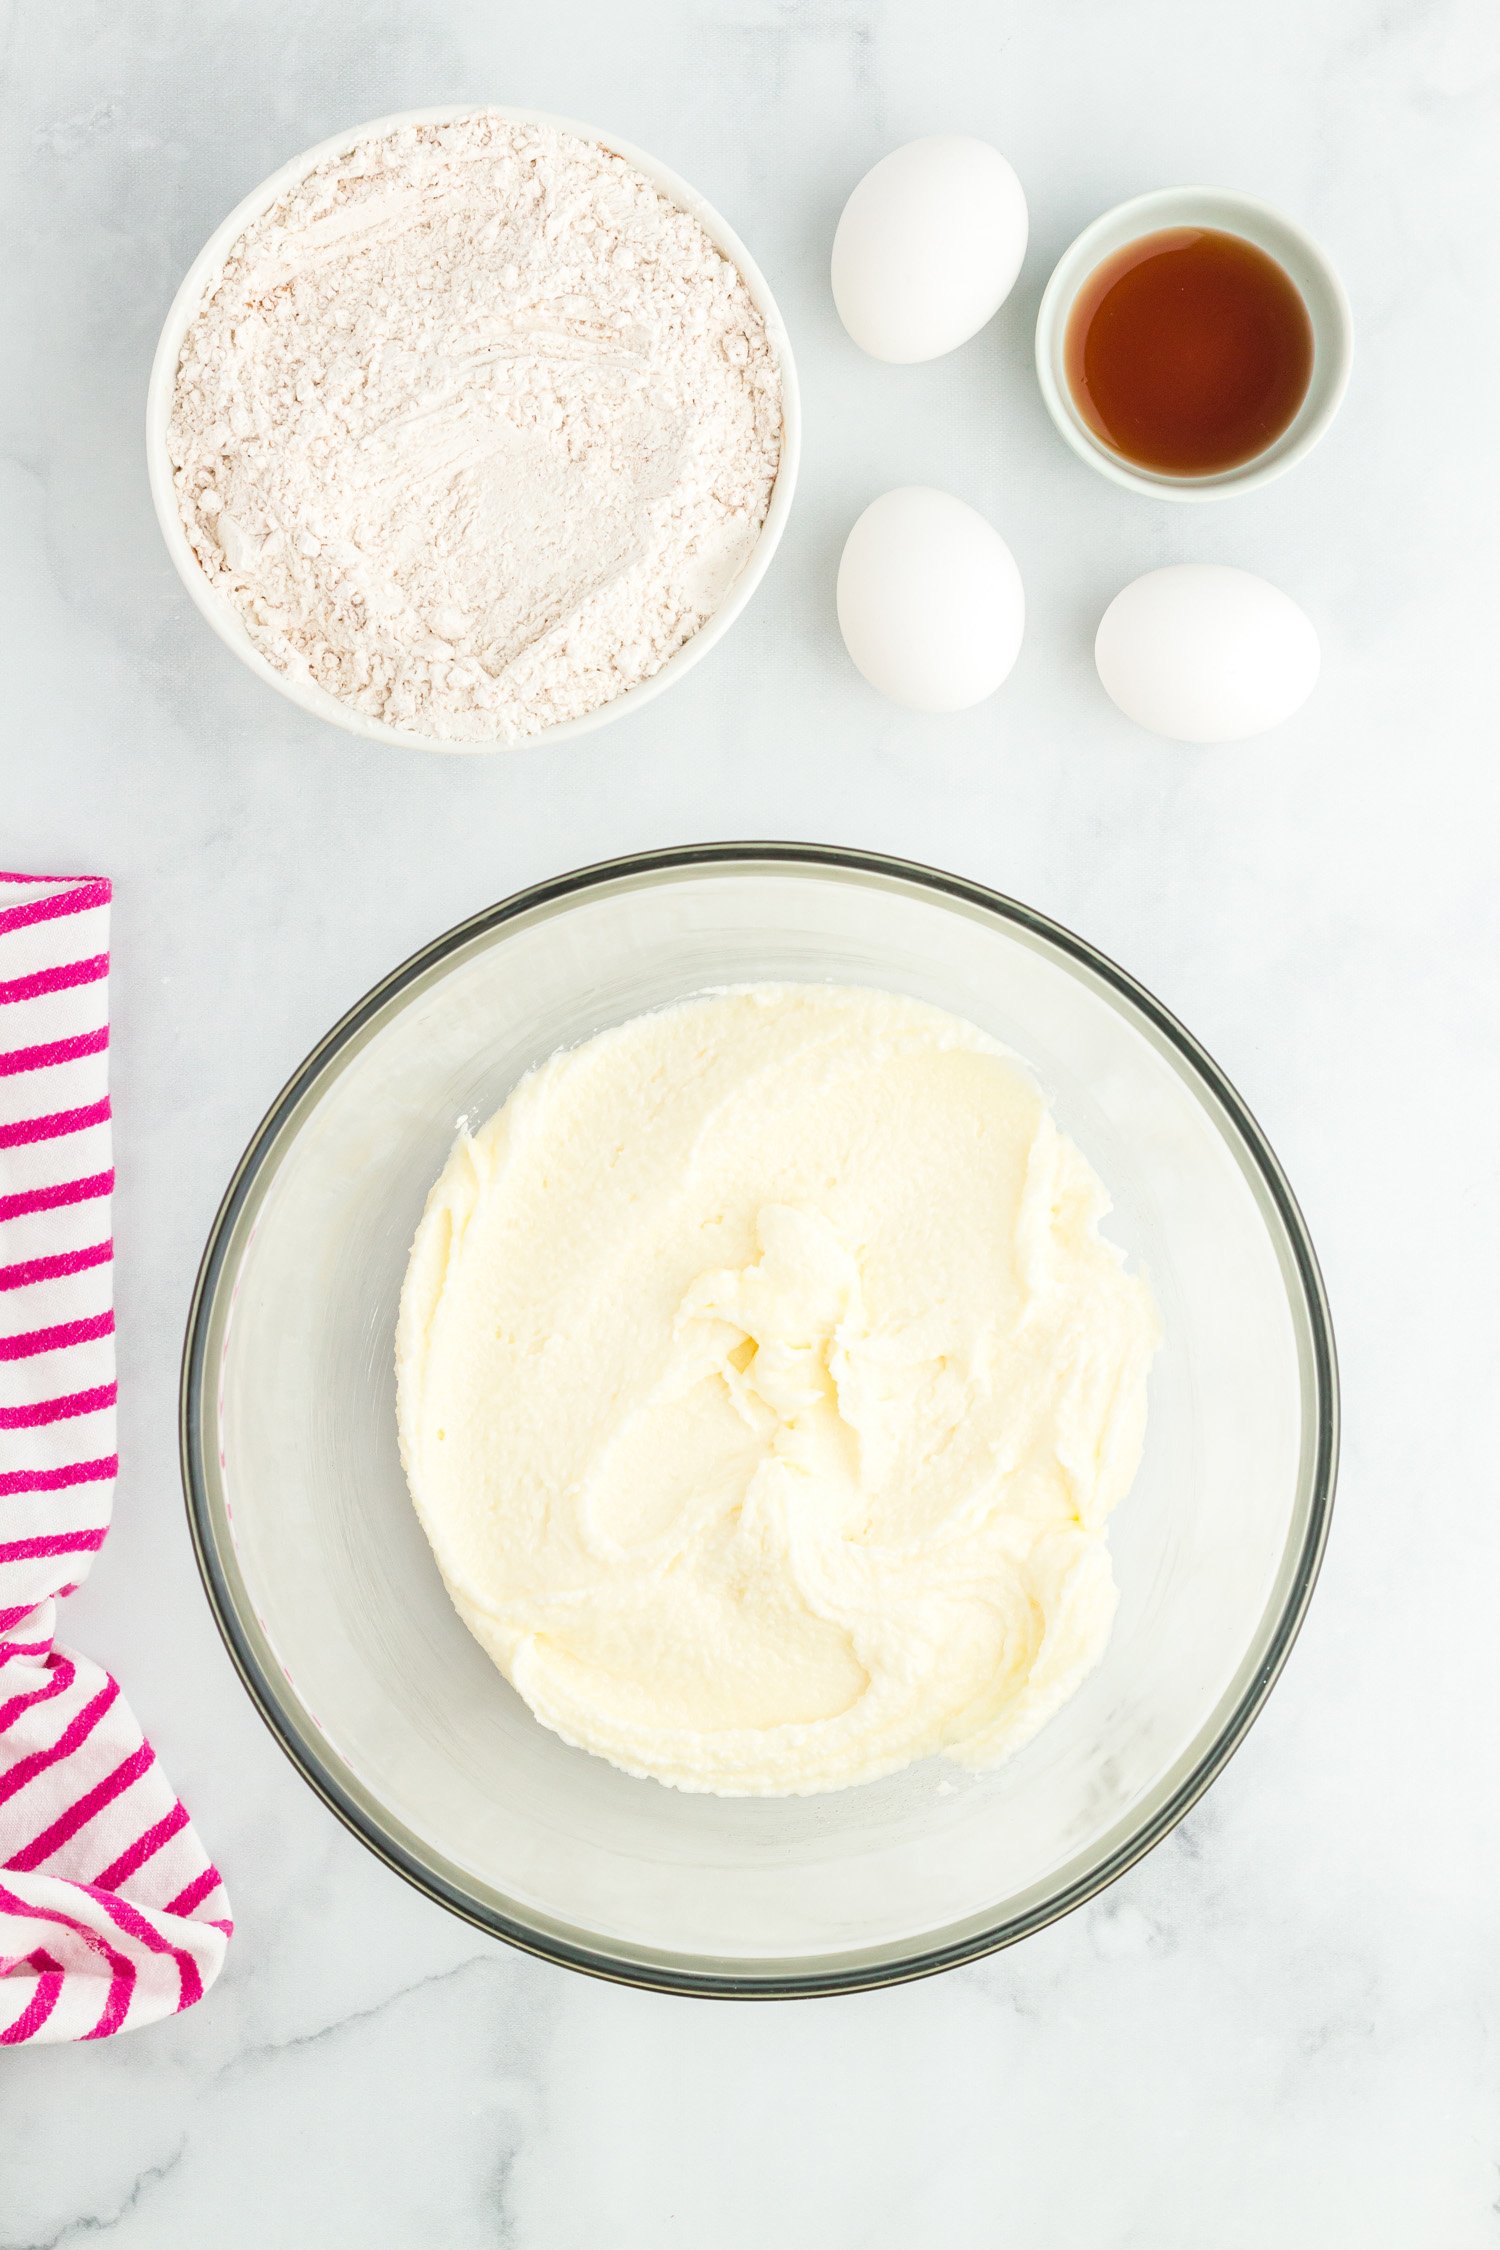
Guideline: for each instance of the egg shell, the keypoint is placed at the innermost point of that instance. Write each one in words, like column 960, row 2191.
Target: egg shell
column 930, row 600
column 928, row 247
column 1202, row 653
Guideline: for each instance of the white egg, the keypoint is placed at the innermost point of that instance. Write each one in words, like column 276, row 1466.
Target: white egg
column 928, row 247
column 1202, row 653
column 930, row 600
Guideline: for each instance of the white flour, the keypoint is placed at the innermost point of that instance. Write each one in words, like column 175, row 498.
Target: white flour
column 475, row 429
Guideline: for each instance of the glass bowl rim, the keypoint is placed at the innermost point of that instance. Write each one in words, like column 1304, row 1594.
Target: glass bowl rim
column 669, row 1974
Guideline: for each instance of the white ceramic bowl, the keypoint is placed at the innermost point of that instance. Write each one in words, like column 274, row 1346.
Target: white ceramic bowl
column 1230, row 213
column 325, row 1588
column 204, row 271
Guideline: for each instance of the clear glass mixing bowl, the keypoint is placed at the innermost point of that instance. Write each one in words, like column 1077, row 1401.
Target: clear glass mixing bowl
column 332, row 1607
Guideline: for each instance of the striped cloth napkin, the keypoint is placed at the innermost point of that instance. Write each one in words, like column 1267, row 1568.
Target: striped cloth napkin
column 111, row 1914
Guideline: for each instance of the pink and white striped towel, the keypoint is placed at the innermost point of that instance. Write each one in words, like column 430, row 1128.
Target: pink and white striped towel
column 111, row 1914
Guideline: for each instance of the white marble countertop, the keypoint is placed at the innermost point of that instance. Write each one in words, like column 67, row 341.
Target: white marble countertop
column 1282, row 2026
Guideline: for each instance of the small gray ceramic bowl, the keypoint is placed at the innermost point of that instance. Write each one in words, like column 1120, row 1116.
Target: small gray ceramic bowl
column 1229, row 213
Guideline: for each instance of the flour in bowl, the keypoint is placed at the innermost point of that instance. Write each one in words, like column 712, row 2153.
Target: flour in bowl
column 475, row 428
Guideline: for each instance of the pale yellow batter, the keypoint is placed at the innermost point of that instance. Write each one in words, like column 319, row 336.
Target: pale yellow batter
column 764, row 1388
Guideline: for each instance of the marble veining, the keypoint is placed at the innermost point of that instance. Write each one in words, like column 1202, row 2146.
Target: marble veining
column 1280, row 2027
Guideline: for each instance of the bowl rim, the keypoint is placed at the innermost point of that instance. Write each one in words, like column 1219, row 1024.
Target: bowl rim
column 1232, row 211
column 160, row 388
column 685, row 1974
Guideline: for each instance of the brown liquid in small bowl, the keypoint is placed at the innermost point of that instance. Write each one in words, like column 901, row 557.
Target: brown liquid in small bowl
column 1189, row 351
